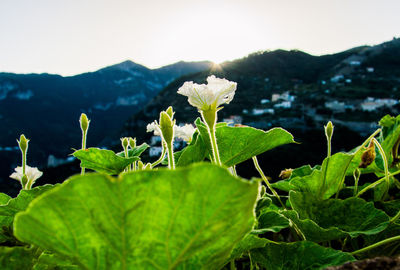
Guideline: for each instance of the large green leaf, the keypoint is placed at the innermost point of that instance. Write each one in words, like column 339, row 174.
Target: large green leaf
column 189, row 218
column 101, row 160
column 353, row 216
column 298, row 256
column 237, row 144
column 15, row 205
column 323, row 183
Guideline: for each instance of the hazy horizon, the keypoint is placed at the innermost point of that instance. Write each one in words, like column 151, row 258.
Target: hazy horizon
column 73, row 37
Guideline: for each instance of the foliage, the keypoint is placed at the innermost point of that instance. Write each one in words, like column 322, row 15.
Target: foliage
column 133, row 214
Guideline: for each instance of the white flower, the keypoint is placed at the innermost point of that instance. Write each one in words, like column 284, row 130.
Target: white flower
column 204, row 97
column 154, row 127
column 31, row 173
column 185, row 132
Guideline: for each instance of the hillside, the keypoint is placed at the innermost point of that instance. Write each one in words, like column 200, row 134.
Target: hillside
column 299, row 92
column 46, row 107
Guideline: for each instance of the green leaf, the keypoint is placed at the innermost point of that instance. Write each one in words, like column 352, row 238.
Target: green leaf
column 248, row 243
column 390, row 249
column 188, row 218
column 325, row 182
column 237, row 144
column 271, row 221
column 298, row 256
column 312, row 231
column 4, row 198
column 105, row 161
column 17, row 258
column 353, row 216
column 15, row 205
column 297, row 173
column 135, row 152
column 192, row 153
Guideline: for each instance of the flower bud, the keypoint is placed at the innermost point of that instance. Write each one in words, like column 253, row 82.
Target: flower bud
column 167, row 127
column 84, row 121
column 286, row 173
column 132, row 142
column 23, row 143
column 170, row 112
column 124, row 142
column 368, row 156
column 24, row 181
column 329, row 130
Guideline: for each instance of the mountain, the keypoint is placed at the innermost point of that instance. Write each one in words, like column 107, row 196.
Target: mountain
column 299, row 92
column 46, row 107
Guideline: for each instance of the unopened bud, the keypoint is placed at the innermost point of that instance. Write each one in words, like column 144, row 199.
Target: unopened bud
column 170, row 112
column 140, row 165
column 286, row 173
column 84, row 121
column 23, row 143
column 124, row 142
column 368, row 156
column 357, row 173
column 24, row 181
column 167, row 127
column 132, row 142
column 329, row 130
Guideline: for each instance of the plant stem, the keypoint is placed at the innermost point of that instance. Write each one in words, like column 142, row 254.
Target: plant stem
column 395, row 218
column 388, row 240
column 171, row 160
column 356, row 179
column 374, row 184
column 84, row 134
column 210, row 119
column 163, row 152
column 329, row 147
column 264, row 178
column 214, row 145
column 385, row 164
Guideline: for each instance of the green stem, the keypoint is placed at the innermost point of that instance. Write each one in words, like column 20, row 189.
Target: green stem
column 214, row 145
column 23, row 162
column 356, row 179
column 329, row 147
column 171, row 160
column 264, row 178
column 210, row 119
column 374, row 184
column 158, row 161
column 395, row 218
column 385, row 163
column 84, row 133
column 388, row 240
column 362, row 146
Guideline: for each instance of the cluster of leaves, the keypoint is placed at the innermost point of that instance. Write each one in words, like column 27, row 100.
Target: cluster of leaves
column 203, row 216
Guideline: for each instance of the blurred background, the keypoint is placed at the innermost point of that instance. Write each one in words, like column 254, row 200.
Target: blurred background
column 298, row 64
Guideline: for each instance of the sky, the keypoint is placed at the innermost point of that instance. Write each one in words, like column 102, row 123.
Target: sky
column 69, row 37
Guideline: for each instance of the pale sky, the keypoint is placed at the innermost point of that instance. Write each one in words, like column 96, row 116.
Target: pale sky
column 69, row 37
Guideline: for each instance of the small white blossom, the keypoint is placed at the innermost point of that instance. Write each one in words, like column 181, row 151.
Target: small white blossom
column 204, row 97
column 32, row 173
column 185, row 132
column 154, row 127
